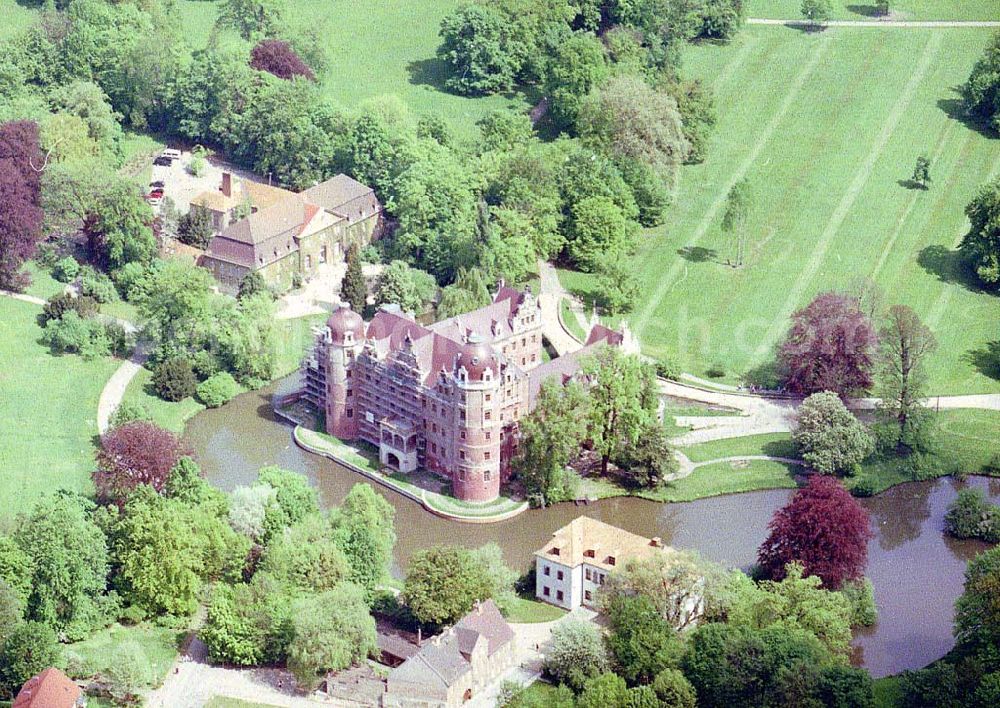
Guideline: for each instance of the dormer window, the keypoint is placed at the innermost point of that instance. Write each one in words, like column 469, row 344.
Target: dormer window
column 589, row 553
column 610, row 560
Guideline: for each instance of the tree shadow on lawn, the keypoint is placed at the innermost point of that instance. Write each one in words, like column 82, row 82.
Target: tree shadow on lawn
column 782, row 448
column 950, row 267
column 911, row 184
column 986, row 360
column 863, row 10
column 698, row 254
column 429, row 72
column 954, row 108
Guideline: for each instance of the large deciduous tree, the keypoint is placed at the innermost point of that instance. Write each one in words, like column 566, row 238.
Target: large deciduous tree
column 20, row 200
column 981, row 246
column 599, row 232
column 253, row 18
column 443, row 582
column 824, row 528
column 622, row 404
column 118, row 227
column 829, row 347
column 248, row 624
column 132, row 454
column 676, row 584
column 982, row 90
column 576, row 66
column 904, row 345
column 577, row 653
column 30, row 649
column 481, row 50
column 830, row 439
column 307, row 557
column 734, row 220
column 977, row 611
column 366, row 534
column 641, row 643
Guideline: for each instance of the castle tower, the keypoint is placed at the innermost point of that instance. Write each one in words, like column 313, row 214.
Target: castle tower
column 476, row 473
column 347, row 338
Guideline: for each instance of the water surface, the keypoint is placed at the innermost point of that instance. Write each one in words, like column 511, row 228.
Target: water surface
column 917, row 571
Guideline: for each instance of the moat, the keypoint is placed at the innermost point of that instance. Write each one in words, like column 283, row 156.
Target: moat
column 916, row 570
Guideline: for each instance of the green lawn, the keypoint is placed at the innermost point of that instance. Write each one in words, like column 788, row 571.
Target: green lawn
column 48, row 412
column 171, row 416
column 158, row 644
column 570, row 320
column 865, row 9
column 43, row 285
column 826, row 127
column 525, row 610
column 375, row 49
column 773, row 444
column 16, row 17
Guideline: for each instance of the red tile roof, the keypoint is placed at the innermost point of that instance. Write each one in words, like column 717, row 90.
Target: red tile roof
column 49, row 689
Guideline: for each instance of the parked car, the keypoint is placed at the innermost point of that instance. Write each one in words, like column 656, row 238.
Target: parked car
column 171, row 154
column 156, row 194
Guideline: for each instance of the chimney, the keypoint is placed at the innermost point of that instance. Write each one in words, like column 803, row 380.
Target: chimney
column 227, row 184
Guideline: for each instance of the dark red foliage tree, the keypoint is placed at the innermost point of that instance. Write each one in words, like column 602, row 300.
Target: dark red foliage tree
column 20, row 210
column 830, row 347
column 824, row 528
column 133, row 454
column 278, row 58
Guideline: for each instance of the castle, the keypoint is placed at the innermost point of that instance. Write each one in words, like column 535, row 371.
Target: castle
column 446, row 397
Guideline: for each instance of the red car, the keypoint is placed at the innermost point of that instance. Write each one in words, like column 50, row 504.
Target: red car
column 156, row 193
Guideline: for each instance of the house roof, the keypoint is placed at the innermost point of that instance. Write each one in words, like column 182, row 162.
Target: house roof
column 260, row 196
column 49, row 689
column 344, row 196
column 442, row 660
column 587, row 540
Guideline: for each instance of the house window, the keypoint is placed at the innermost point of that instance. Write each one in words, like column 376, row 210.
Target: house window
column 434, row 447
column 489, row 397
column 487, row 475
column 559, row 595
column 489, row 435
column 587, row 595
column 545, row 591
column 489, row 415
column 434, row 427
column 461, row 454
column 546, row 570
column 589, row 553
column 611, row 560
column 586, row 573
column 559, row 575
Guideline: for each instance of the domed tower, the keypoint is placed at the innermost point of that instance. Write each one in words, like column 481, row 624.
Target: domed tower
column 476, row 476
column 346, row 340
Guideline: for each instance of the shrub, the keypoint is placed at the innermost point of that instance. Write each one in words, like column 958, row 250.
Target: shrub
column 972, row 516
column 668, row 369
column 71, row 333
column 174, row 379
column 715, row 371
column 29, row 649
column 277, row 57
column 577, row 654
column 66, row 269
column 129, row 412
column 863, row 487
column 58, row 305
column 195, row 228
column 217, row 389
column 97, row 285
column 674, row 690
column 861, row 595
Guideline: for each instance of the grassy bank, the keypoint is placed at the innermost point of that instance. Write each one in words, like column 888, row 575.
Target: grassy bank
column 48, row 412
column 158, row 644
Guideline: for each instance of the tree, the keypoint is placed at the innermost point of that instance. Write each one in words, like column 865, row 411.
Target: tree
column 277, row 57
column 922, row 172
column 904, row 345
column 404, row 286
column 971, row 515
column 294, row 499
column 16, row 568
column 480, row 50
column 605, row 691
column 576, row 66
column 468, row 292
column 307, row 557
column 675, row 584
column 11, row 611
column 58, row 305
column 133, row 454
column 252, row 284
column 647, row 462
column 174, row 379
column 936, row 686
column 621, row 404
column 247, row 341
column 734, row 220
column 829, row 347
column 30, row 649
column 830, row 439
column 364, row 531
column 443, row 583
column 128, row 672
column 629, row 121
column 549, row 437
column 617, row 286
column 981, row 246
column 217, row 389
column 331, row 631
column 253, row 18
column 824, row 528
column 118, row 227
column 674, row 690
column 69, row 557
column 722, row 19
column 196, row 228
column 882, row 7
column 641, row 643
column 248, row 624
column 977, row 611
column 982, row 90
column 600, row 232
column 577, row 653
column 354, row 290
column 817, row 11
column 248, row 508
column 20, row 197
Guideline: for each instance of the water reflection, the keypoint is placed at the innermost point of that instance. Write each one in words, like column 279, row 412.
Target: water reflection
column 917, row 573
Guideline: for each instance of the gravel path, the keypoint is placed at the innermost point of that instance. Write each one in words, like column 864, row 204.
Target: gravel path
column 22, row 297
column 551, row 292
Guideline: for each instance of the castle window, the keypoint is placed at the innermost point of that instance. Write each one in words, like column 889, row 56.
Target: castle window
column 463, row 435
column 559, row 575
column 586, row 573
column 532, row 357
column 435, row 427
column 487, row 454
column 434, row 447
column 488, row 434
column 489, row 397
column 545, row 591
column 350, row 392
column 546, row 570
column 489, row 415
column 461, row 454
column 350, row 412
column 487, row 475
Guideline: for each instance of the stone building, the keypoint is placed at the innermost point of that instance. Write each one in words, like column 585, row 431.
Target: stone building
column 446, row 397
column 457, row 665
column 294, row 235
column 571, row 567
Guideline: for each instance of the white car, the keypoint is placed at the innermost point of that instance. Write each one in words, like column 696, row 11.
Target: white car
column 171, row 154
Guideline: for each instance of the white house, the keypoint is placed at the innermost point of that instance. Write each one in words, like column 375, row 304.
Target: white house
column 571, row 567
